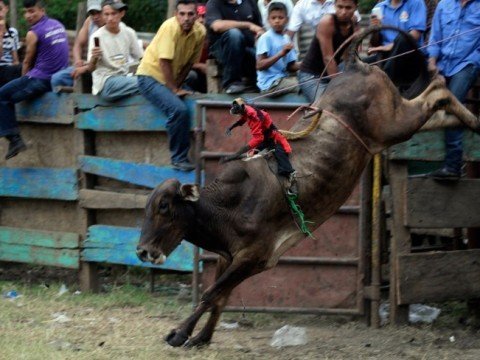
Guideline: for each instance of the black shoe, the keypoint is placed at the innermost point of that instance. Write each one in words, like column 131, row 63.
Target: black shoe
column 183, row 166
column 444, row 174
column 235, row 88
column 16, row 145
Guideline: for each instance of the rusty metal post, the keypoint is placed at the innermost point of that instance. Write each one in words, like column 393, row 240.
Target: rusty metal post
column 376, row 229
column 200, row 120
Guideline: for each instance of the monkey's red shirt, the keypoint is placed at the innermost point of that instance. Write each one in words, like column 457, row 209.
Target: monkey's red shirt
column 261, row 127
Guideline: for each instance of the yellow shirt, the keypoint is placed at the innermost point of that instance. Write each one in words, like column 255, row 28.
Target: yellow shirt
column 172, row 44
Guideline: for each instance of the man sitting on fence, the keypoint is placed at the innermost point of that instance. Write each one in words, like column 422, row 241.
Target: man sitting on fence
column 168, row 59
column 457, row 58
column 47, row 53
column 92, row 23
column 112, row 50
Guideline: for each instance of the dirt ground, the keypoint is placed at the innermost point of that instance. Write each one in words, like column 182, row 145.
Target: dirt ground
column 126, row 321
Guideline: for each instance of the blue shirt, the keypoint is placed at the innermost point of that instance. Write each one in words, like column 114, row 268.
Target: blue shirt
column 409, row 15
column 452, row 19
column 270, row 44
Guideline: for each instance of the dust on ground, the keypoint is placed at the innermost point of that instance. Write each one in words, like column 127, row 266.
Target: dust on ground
column 127, row 321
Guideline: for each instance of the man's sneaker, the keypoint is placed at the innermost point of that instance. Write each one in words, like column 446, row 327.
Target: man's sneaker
column 183, row 166
column 16, row 145
column 235, row 88
column 444, row 174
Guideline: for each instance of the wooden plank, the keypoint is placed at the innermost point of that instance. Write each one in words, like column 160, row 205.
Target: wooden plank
column 430, row 146
column 50, row 108
column 39, row 183
column 439, row 276
column 133, row 173
column 39, row 247
column 117, row 245
column 446, row 204
column 94, row 199
column 129, row 115
column 400, row 242
column 52, row 239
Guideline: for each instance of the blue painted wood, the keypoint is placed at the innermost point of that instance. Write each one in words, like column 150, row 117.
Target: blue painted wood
column 117, row 245
column 130, row 115
column 39, row 183
column 48, row 108
column 133, row 173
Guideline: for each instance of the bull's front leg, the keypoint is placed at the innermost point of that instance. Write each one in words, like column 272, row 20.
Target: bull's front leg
column 236, row 272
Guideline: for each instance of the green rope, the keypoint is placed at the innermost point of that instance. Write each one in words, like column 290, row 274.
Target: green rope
column 300, row 215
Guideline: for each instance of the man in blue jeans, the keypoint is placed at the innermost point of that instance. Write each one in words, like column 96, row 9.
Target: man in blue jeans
column 46, row 53
column 175, row 48
column 233, row 26
column 458, row 60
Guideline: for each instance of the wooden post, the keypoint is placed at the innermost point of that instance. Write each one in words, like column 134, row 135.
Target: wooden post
column 171, row 8
column 376, row 234
column 400, row 242
column 13, row 13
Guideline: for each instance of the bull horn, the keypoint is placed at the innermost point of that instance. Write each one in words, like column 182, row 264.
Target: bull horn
column 295, row 135
column 189, row 192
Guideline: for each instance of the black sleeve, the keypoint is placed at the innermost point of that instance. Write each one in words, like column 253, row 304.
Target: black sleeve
column 213, row 12
column 257, row 17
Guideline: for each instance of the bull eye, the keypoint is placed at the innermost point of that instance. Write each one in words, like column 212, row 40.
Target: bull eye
column 163, row 207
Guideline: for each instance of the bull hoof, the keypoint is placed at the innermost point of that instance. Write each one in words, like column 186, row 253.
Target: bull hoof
column 176, row 338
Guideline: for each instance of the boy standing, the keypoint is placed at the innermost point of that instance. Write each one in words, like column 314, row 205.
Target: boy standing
column 276, row 55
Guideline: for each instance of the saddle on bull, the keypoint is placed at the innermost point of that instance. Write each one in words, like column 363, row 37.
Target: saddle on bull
column 243, row 215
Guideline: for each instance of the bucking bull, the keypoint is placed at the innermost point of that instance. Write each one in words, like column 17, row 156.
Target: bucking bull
column 243, row 214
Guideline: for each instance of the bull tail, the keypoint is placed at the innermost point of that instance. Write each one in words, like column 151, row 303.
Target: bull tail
column 295, row 135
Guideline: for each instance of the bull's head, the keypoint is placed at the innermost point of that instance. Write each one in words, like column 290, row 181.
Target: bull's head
column 166, row 219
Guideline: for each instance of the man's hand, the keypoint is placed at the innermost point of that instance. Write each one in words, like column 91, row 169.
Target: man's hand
column 78, row 71
column 96, row 53
column 432, row 67
column 182, row 92
column 257, row 30
column 375, row 21
column 79, row 63
column 383, row 48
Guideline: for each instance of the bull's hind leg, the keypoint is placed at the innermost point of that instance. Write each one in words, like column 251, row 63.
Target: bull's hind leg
column 235, row 273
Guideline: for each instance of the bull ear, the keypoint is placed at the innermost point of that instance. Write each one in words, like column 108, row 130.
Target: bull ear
column 189, row 192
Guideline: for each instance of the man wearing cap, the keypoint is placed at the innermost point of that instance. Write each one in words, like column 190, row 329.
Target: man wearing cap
column 110, row 51
column 92, row 23
column 161, row 74
column 46, row 53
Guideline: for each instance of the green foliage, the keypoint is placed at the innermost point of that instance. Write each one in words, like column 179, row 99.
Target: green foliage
column 142, row 15
column 365, row 6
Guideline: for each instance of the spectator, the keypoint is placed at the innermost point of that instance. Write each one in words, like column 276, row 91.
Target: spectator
column 407, row 15
column 276, row 55
column 92, row 23
column 197, row 77
column 233, row 27
column 10, row 67
column 46, row 53
column 457, row 58
column 263, row 8
column 109, row 59
column 331, row 33
column 168, row 59
column 309, row 12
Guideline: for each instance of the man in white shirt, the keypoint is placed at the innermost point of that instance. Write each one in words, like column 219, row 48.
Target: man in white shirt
column 110, row 58
column 309, row 12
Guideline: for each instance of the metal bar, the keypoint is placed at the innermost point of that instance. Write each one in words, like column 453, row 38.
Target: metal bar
column 201, row 115
column 299, row 260
column 293, row 310
column 376, row 197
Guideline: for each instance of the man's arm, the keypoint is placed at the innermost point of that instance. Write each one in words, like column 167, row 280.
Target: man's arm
column 324, row 35
column 220, row 26
column 264, row 62
column 80, row 42
column 30, row 52
column 167, row 70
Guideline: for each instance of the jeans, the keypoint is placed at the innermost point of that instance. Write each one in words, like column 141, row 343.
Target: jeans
column 458, row 84
column 62, row 78
column 23, row 88
column 178, row 117
column 9, row 73
column 311, row 89
column 238, row 59
column 119, row 86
